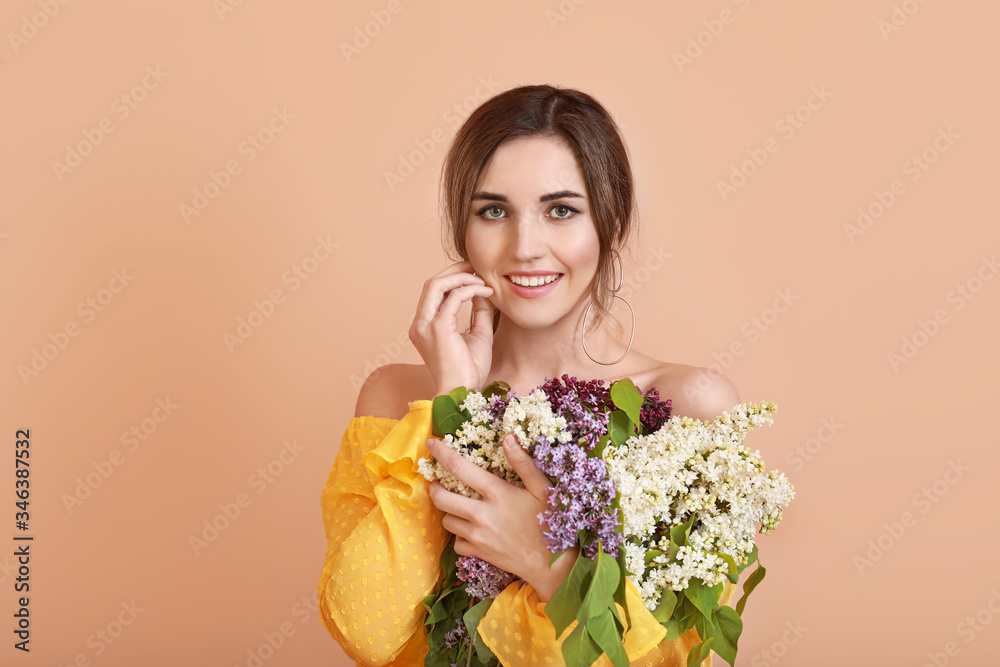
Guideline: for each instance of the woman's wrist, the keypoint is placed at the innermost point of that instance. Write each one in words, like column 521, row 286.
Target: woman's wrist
column 548, row 581
column 446, row 388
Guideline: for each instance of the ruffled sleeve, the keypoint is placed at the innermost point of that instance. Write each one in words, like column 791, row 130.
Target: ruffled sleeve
column 384, row 540
column 518, row 632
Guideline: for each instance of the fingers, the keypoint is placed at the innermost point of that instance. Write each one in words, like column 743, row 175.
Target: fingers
column 535, row 481
column 482, row 317
column 444, row 294
column 452, row 503
column 463, row 470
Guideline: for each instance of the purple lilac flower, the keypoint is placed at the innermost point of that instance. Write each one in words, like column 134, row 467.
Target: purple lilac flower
column 482, row 580
column 582, row 498
column 496, row 405
column 654, row 412
column 581, row 404
column 456, row 635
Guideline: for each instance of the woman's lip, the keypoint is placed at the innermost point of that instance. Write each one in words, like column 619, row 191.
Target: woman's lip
column 532, row 292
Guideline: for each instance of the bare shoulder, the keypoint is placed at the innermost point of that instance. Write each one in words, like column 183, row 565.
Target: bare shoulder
column 389, row 389
column 699, row 393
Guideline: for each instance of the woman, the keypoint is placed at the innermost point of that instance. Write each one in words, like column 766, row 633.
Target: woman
column 538, row 197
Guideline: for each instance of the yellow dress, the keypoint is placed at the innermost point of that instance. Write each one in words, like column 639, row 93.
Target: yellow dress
column 384, row 546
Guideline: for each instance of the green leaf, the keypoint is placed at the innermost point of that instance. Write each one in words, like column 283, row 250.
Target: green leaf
column 730, row 626
column 674, row 630
column 602, row 443
column 679, row 536
column 471, row 619
column 601, row 593
column 731, row 566
column 580, row 649
column 699, row 652
column 627, row 398
column 620, row 427
column 438, row 613
column 445, row 415
column 554, row 557
column 706, row 629
column 603, row 630
column 459, row 394
column 749, row 585
column 495, row 388
column 751, row 557
column 665, row 607
column 705, row 598
column 565, row 603
column 621, row 596
column 449, row 562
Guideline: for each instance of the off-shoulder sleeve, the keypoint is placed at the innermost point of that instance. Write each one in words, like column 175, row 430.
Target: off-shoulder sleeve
column 384, row 540
column 518, row 632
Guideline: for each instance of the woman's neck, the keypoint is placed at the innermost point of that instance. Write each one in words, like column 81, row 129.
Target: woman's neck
column 523, row 357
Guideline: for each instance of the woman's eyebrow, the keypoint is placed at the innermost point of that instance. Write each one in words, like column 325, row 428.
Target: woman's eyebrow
column 562, row 194
column 489, row 195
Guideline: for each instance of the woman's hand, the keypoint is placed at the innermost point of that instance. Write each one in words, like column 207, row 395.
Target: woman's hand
column 502, row 527
column 454, row 359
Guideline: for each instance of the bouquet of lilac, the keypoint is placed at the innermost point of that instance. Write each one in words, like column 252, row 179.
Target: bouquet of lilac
column 669, row 503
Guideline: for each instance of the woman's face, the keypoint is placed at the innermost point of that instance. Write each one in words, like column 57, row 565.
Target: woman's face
column 530, row 222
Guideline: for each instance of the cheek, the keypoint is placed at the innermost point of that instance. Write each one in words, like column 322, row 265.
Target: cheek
column 481, row 249
column 582, row 253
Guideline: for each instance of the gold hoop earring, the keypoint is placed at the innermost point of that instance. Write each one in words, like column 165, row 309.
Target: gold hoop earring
column 614, row 293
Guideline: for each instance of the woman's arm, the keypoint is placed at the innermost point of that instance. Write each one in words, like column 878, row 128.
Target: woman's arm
column 384, row 537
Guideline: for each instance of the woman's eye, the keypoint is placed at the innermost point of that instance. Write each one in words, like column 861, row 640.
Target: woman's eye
column 492, row 212
column 563, row 211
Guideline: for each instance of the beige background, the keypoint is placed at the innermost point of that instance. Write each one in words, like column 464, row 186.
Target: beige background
column 859, row 435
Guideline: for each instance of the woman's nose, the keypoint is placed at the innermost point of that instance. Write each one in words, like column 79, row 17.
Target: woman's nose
column 529, row 240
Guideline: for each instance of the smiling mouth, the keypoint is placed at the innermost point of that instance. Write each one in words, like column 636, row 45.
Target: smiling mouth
column 533, row 281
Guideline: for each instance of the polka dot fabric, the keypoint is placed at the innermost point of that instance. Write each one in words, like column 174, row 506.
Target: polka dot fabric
column 519, row 633
column 385, row 539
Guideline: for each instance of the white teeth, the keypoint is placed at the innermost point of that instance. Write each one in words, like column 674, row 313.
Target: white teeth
column 533, row 281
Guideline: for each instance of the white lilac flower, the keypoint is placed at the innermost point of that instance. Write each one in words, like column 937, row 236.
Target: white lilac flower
column 693, row 467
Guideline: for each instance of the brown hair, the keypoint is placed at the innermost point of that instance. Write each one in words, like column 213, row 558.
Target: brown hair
column 590, row 131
